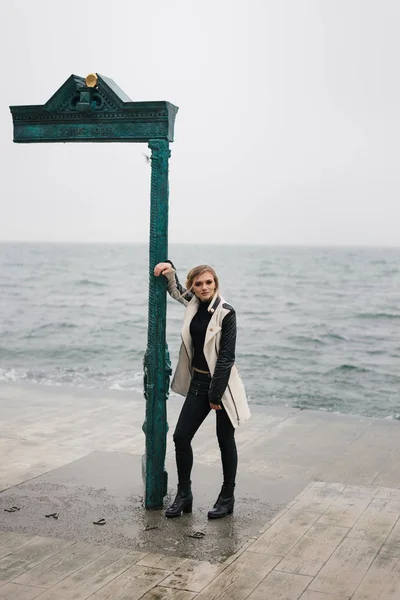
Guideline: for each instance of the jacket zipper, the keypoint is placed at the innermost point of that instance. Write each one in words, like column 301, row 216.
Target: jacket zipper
column 229, row 388
column 187, row 354
column 234, row 403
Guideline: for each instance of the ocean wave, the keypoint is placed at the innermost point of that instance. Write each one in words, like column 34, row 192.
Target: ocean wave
column 380, row 315
column 82, row 378
column 49, row 326
column 334, row 336
column 83, row 282
column 11, row 375
column 258, row 313
column 253, row 357
column 347, row 367
column 304, row 339
column 15, row 264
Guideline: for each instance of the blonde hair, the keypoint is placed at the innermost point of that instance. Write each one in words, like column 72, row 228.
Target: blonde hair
column 196, row 272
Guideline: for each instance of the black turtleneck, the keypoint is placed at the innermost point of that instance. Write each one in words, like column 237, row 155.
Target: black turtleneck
column 198, row 329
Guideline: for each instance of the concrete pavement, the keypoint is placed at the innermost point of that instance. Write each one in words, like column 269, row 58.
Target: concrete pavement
column 316, row 516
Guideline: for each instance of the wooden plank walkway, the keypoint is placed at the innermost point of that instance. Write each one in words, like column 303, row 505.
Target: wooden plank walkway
column 333, row 542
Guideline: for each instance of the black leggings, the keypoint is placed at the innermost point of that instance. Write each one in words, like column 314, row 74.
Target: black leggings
column 194, row 410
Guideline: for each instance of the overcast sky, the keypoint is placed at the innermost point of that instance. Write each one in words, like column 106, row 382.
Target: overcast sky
column 287, row 131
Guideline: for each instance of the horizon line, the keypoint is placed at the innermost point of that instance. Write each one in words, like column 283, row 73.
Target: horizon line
column 242, row 244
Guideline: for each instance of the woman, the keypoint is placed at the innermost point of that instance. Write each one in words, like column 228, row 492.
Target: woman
column 206, row 374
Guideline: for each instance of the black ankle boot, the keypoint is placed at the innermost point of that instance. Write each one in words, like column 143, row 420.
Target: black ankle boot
column 224, row 504
column 183, row 502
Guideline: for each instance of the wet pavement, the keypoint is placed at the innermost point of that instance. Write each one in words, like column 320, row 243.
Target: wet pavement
column 108, row 486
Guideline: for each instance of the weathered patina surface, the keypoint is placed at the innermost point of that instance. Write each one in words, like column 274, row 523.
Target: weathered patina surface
column 95, row 109
column 156, row 361
column 104, row 113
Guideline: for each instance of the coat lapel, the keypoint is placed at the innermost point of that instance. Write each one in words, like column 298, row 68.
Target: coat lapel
column 213, row 327
column 191, row 310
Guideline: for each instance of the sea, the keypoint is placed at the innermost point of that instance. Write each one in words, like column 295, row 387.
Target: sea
column 318, row 327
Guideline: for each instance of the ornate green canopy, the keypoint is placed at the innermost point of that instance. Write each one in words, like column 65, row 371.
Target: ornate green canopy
column 94, row 109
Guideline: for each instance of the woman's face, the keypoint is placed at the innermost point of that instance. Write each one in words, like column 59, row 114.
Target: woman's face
column 204, row 286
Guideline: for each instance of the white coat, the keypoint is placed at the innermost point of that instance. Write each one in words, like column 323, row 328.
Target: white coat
column 234, row 398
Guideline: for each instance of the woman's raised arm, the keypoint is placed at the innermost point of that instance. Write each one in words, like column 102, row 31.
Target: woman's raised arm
column 175, row 289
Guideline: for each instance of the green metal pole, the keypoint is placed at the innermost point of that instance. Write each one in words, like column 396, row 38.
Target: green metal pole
column 156, row 361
